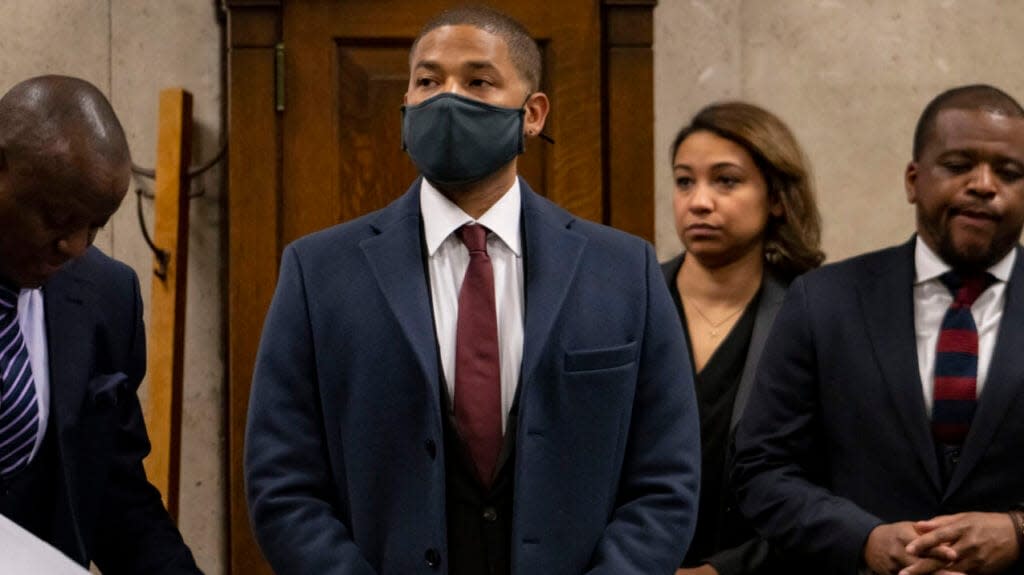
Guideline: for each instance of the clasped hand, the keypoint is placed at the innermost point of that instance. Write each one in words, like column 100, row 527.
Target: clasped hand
column 961, row 544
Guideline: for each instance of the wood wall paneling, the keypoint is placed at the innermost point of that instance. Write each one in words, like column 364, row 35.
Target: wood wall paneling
column 629, row 85
column 372, row 78
column 253, row 238
column 166, row 346
column 347, row 72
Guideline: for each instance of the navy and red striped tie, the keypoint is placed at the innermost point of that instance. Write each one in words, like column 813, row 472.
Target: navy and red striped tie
column 956, row 359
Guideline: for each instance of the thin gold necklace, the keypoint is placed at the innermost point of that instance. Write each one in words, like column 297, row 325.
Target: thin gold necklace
column 714, row 326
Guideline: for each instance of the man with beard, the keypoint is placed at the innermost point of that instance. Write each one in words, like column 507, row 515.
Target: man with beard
column 885, row 431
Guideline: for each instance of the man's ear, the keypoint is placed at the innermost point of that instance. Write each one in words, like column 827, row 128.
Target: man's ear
column 537, row 107
column 910, row 182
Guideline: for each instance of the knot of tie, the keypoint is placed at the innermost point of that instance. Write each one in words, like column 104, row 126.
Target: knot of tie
column 474, row 236
column 8, row 298
column 966, row 287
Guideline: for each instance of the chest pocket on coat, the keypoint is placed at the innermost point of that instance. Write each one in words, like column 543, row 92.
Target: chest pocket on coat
column 599, row 359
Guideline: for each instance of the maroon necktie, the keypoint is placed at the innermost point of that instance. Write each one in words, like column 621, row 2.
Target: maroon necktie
column 477, row 367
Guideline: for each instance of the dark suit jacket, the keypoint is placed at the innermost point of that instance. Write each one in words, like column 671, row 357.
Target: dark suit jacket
column 752, row 555
column 344, row 451
column 836, row 439
column 106, row 510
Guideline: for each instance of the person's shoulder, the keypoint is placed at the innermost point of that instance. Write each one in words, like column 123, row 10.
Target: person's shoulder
column 848, row 272
column 98, row 268
column 597, row 235
column 607, row 235
column 616, row 251
column 344, row 238
column 99, row 280
column 338, row 236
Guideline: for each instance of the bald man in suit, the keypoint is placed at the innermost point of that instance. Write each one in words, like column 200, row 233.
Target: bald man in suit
column 72, row 344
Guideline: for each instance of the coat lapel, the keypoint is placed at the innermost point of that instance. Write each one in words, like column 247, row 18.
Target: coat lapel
column 1003, row 382
column 772, row 294
column 395, row 255
column 69, row 345
column 888, row 304
column 552, row 253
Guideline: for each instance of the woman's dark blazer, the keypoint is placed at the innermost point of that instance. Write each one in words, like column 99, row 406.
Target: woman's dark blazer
column 753, row 555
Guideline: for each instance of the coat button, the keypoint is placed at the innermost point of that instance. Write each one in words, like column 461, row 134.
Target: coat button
column 431, row 448
column 433, row 558
column 490, row 514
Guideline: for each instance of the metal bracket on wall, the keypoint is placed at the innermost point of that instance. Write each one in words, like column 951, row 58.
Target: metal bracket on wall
column 279, row 77
column 163, row 256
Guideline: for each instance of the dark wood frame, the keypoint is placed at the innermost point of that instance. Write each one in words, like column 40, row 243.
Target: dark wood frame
column 254, row 186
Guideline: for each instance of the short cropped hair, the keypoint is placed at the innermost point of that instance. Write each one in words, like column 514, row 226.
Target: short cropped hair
column 522, row 48
column 971, row 97
column 792, row 241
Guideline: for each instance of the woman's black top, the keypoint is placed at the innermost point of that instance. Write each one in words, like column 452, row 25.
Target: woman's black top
column 716, row 387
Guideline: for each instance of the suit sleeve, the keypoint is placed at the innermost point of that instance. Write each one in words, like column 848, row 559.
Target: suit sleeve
column 778, row 469
column 748, row 557
column 656, row 512
column 135, row 534
column 289, row 483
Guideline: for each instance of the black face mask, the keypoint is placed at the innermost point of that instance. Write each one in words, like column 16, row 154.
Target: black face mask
column 457, row 140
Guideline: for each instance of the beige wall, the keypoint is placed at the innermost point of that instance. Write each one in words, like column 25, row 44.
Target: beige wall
column 132, row 49
column 849, row 76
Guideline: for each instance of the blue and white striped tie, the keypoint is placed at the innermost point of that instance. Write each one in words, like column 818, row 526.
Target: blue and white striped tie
column 19, row 411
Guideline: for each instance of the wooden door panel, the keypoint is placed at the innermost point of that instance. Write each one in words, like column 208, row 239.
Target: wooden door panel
column 347, row 70
column 373, row 169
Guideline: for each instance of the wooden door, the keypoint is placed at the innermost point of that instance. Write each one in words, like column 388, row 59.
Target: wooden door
column 315, row 89
column 347, row 67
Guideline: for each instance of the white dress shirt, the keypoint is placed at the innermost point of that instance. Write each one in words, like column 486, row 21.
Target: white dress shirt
column 932, row 299
column 31, row 319
column 448, row 259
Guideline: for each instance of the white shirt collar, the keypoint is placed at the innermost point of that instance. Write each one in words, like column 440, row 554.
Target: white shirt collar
column 928, row 265
column 441, row 217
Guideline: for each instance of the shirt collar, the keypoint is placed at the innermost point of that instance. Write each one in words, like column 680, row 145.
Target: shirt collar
column 441, row 217
column 928, row 265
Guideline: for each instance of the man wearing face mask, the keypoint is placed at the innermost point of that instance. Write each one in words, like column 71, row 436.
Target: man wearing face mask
column 472, row 380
